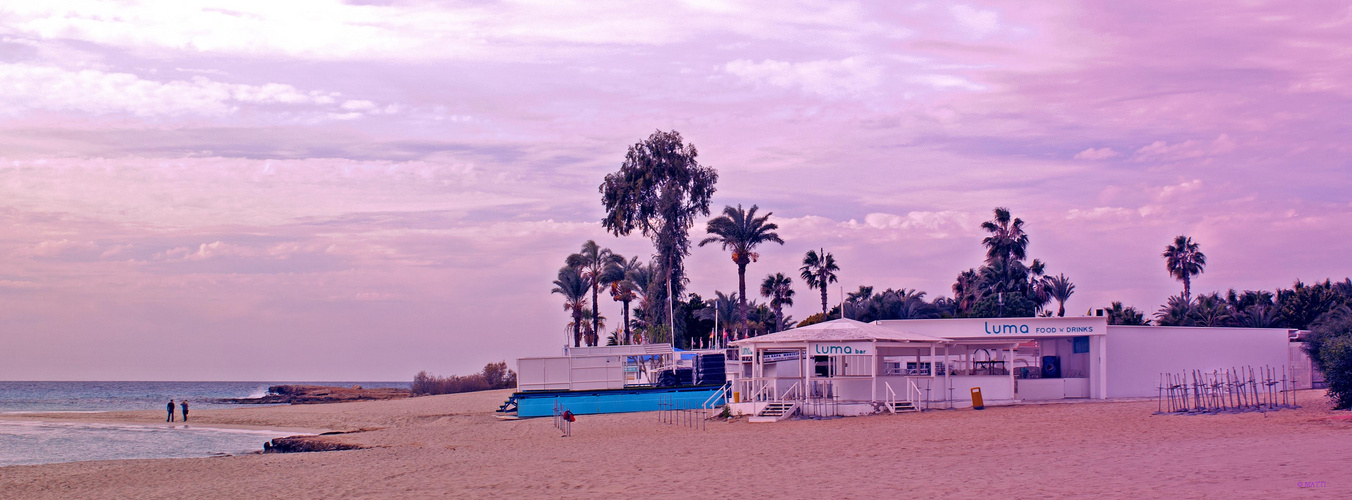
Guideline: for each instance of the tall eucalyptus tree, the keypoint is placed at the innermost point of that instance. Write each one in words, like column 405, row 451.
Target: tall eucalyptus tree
column 658, row 191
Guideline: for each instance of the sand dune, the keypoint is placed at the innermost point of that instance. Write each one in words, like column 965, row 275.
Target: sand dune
column 454, row 445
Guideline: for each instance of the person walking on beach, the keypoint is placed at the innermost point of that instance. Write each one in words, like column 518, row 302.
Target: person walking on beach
column 170, row 406
column 184, row 404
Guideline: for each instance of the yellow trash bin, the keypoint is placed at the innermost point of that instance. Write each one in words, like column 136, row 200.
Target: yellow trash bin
column 977, row 403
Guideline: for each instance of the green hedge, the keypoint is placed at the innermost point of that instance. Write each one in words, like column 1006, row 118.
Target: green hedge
column 1336, row 357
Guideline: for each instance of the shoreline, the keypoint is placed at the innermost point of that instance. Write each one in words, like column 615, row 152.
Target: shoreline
column 46, row 418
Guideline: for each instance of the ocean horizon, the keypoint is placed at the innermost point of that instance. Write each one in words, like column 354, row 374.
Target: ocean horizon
column 31, row 442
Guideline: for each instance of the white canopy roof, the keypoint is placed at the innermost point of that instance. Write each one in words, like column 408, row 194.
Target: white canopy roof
column 840, row 330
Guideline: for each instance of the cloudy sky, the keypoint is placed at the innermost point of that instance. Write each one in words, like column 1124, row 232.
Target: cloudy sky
column 324, row 190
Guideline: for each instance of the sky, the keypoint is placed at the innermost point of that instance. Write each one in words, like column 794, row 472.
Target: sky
column 325, row 190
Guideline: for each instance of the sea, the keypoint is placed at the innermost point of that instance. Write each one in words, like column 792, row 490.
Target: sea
column 30, row 442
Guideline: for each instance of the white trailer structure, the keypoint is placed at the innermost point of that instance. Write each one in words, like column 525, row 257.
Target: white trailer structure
column 594, row 368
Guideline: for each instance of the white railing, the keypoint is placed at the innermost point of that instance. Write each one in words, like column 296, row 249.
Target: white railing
column 724, row 391
column 563, row 419
column 756, row 390
column 891, row 397
column 913, row 393
column 794, row 392
column 766, row 392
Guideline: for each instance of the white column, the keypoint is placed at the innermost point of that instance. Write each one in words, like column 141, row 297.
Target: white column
column 948, row 380
column 933, row 374
column 1098, row 366
column 1012, row 383
column 873, row 383
column 805, row 368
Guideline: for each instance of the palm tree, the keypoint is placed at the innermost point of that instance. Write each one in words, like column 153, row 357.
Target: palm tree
column 644, row 318
column 1059, row 288
column 741, row 231
column 1210, row 310
column 573, row 287
column 1259, row 316
column 1007, row 241
column 1000, row 277
column 945, row 306
column 1120, row 315
column 1184, row 259
column 1177, row 312
column 906, row 303
column 593, row 260
column 819, row 271
column 760, row 318
column 779, row 289
column 861, row 304
column 590, row 337
column 966, row 291
column 1037, row 285
column 864, row 294
column 622, row 276
column 720, row 310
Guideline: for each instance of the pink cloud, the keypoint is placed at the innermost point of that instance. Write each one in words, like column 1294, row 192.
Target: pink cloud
column 1096, row 154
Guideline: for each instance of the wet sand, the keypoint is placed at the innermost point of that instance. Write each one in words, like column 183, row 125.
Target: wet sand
column 455, row 446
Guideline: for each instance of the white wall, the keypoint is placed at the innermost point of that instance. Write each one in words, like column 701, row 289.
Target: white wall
column 993, row 388
column 1137, row 355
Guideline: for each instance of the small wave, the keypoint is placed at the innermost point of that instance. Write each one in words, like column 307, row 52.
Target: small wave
column 258, row 393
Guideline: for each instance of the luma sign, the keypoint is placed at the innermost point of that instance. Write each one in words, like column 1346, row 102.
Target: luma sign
column 985, row 328
column 1003, row 328
column 839, row 349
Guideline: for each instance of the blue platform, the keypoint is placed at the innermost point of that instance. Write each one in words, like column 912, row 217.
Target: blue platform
column 541, row 403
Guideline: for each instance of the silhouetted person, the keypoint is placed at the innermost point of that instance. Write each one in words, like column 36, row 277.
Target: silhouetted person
column 170, row 407
column 184, row 404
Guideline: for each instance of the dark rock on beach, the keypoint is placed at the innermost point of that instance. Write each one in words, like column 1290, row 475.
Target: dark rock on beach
column 316, row 394
column 305, row 444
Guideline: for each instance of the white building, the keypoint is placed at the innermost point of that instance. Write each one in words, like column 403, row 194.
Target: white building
column 848, row 367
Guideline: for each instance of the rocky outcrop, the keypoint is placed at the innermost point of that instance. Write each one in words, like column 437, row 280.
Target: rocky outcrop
column 305, row 444
column 316, row 394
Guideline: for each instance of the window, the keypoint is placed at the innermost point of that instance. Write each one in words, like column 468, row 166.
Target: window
column 842, row 366
column 1081, row 345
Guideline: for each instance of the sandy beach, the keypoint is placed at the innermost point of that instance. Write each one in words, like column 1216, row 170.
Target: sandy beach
column 455, row 446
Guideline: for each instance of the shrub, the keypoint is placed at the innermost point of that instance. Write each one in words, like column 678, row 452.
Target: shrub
column 1336, row 358
column 1330, row 346
column 1330, row 325
column 494, row 376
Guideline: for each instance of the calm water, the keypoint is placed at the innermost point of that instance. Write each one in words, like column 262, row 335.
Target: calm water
column 49, row 442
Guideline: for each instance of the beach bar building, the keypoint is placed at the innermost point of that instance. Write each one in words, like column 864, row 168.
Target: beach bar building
column 845, row 367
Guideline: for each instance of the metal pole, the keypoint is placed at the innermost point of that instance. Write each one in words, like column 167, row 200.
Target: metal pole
column 671, row 310
column 716, row 332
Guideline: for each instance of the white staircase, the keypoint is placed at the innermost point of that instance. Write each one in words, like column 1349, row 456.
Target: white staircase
column 895, row 405
column 775, row 411
column 901, row 406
